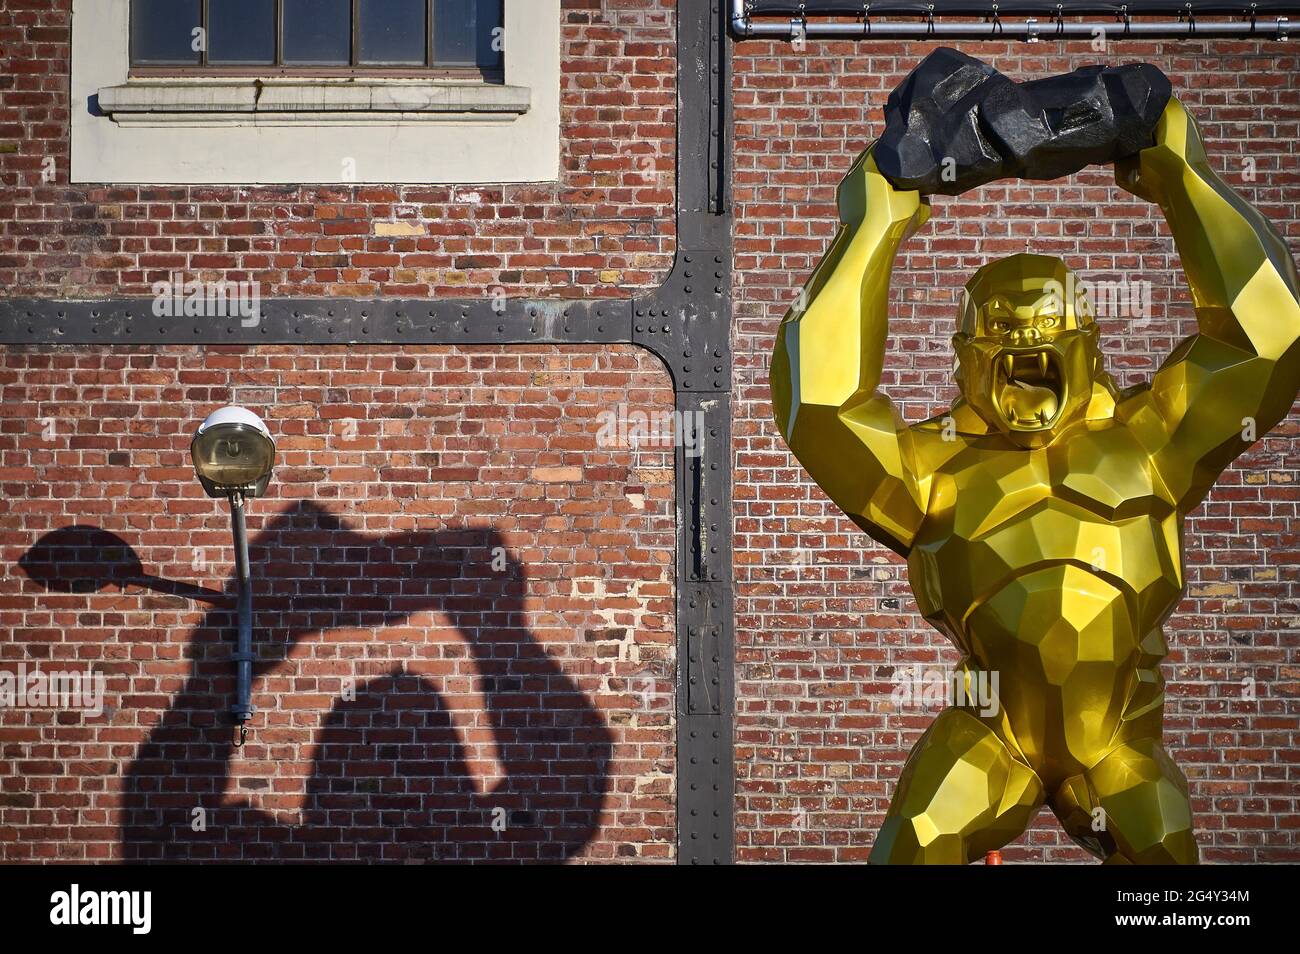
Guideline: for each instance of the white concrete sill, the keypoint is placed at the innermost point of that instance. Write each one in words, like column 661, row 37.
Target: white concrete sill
column 277, row 100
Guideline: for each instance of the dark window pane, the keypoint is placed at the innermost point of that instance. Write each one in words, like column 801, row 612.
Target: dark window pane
column 241, row 31
column 162, row 31
column 465, row 32
column 393, row 32
column 318, row 31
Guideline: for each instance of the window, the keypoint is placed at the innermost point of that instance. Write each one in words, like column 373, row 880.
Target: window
column 316, row 91
column 317, row 37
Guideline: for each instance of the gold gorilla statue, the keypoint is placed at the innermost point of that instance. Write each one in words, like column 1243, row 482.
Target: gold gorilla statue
column 1042, row 516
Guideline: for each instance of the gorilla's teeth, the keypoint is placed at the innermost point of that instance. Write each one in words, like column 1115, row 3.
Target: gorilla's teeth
column 1008, row 364
column 1042, row 363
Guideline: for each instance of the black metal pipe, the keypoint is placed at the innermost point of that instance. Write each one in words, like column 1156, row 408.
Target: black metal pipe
column 1030, row 29
column 243, row 655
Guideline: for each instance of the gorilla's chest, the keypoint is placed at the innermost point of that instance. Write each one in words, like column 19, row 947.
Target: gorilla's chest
column 1091, row 502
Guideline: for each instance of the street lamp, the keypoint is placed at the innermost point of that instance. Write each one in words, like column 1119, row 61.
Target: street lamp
column 233, row 455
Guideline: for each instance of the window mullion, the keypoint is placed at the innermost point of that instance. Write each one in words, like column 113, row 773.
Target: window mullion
column 428, row 35
column 355, row 60
column 279, row 33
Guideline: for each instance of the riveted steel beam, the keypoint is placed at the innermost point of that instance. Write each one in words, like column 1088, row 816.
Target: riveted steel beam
column 321, row 321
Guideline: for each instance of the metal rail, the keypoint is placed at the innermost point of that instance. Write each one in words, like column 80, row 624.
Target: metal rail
column 994, row 26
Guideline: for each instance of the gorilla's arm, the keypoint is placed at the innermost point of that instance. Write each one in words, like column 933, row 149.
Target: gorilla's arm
column 826, row 366
column 1238, row 376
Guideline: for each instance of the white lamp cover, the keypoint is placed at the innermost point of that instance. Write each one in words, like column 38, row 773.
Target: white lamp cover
column 233, row 415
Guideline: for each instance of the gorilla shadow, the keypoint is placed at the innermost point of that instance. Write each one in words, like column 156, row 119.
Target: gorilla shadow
column 390, row 778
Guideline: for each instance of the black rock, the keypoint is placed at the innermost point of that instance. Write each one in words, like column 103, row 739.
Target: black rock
column 956, row 123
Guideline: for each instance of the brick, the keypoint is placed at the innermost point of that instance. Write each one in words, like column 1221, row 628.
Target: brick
column 374, row 561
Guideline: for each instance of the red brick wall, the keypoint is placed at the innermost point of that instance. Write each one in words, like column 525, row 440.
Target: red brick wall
column 824, row 616
column 541, row 685
column 455, row 452
column 606, row 226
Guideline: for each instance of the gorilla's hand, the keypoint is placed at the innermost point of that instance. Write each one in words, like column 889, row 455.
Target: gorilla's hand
column 956, row 123
column 1177, row 144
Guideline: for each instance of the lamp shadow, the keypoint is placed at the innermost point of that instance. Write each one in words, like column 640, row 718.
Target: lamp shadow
column 85, row 559
column 390, row 779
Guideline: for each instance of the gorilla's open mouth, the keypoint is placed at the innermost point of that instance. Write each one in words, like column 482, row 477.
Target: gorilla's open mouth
column 1028, row 387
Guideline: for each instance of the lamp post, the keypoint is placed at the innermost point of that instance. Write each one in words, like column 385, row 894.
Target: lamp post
column 233, row 454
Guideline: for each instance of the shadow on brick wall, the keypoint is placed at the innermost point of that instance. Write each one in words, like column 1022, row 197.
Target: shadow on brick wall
column 390, row 778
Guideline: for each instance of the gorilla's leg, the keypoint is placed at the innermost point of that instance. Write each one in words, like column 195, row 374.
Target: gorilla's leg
column 962, row 794
column 1130, row 808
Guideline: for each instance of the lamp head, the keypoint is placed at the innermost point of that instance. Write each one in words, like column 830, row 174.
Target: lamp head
column 233, row 453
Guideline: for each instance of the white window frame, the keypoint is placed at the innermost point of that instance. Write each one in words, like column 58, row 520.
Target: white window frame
column 284, row 130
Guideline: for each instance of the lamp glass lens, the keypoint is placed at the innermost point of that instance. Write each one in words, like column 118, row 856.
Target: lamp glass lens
column 232, row 455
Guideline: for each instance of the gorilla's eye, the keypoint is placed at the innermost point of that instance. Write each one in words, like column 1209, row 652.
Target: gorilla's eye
column 997, row 314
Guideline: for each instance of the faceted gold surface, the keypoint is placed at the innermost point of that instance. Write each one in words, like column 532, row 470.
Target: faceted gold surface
column 1042, row 516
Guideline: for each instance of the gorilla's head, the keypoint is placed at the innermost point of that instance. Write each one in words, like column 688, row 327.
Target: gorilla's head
column 1027, row 349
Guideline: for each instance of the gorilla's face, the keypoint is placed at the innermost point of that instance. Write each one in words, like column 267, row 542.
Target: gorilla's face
column 1027, row 349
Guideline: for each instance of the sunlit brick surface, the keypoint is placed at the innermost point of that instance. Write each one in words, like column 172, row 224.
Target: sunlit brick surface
column 464, row 607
